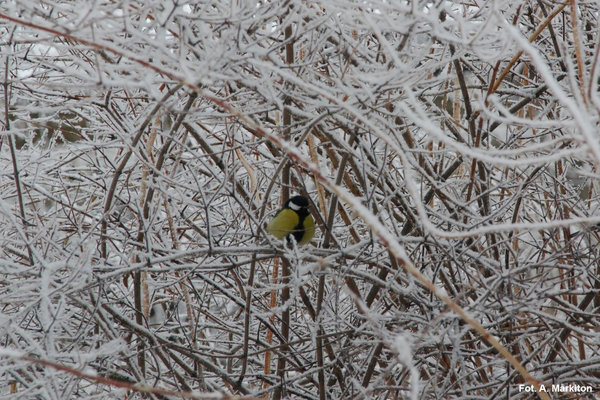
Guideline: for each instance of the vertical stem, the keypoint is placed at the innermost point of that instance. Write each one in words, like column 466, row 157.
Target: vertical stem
column 140, row 287
column 319, row 341
column 272, row 305
column 15, row 165
column 578, row 54
column 139, row 319
column 285, row 265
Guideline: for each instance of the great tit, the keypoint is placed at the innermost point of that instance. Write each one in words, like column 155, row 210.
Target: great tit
column 295, row 220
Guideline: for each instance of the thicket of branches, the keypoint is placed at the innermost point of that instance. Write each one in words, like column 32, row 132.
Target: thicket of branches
column 450, row 150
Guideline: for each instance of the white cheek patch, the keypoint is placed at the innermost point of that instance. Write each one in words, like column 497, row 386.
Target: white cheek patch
column 294, row 206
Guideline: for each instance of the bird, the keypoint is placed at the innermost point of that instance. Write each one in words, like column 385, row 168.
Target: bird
column 293, row 220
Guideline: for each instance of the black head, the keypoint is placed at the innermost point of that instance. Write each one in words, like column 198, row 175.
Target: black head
column 297, row 203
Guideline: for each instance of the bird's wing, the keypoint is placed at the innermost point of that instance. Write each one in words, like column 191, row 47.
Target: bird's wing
column 309, row 229
column 283, row 224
